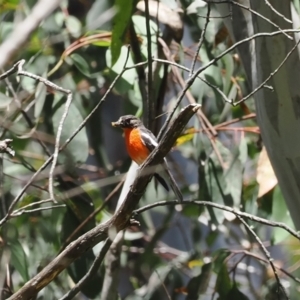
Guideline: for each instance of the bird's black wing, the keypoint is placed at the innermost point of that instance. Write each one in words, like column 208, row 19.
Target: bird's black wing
column 148, row 138
column 150, row 142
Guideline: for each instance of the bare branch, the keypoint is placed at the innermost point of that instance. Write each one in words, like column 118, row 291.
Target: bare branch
column 268, row 256
column 23, row 30
column 253, row 12
column 269, row 77
column 201, row 40
column 112, row 269
column 28, row 211
column 5, row 147
column 277, row 12
column 150, row 103
column 92, row 271
column 225, row 208
column 191, row 80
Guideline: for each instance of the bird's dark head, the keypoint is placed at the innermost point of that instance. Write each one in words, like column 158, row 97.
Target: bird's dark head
column 128, row 121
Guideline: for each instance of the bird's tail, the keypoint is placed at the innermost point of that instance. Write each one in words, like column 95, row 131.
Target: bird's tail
column 173, row 183
column 161, row 181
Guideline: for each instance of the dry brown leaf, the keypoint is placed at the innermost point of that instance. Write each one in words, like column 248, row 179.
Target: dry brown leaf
column 165, row 15
column 265, row 175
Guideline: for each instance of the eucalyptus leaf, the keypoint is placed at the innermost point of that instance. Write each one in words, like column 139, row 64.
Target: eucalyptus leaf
column 121, row 22
column 18, row 258
column 280, row 213
column 79, row 147
column 81, row 64
column 129, row 77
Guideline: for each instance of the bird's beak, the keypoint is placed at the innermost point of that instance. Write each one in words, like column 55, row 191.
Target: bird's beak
column 115, row 124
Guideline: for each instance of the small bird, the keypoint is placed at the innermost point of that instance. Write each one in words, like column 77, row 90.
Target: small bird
column 140, row 142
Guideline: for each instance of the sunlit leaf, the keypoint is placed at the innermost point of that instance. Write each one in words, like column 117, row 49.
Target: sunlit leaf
column 186, row 136
column 265, row 175
column 129, row 77
column 195, row 263
column 165, row 15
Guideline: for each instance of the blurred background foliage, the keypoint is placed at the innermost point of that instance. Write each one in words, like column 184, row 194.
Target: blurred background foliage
column 184, row 252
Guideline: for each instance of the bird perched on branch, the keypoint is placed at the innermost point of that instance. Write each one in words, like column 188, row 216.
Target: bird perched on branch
column 140, row 142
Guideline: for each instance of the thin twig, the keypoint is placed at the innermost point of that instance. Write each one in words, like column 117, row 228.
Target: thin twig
column 92, row 271
column 268, row 256
column 61, row 122
column 18, row 67
column 92, row 215
column 253, row 255
column 28, row 211
column 201, row 116
column 216, row 88
column 203, row 120
column 200, row 41
column 277, row 12
column 225, row 208
column 150, row 103
column 17, row 211
column 3, row 202
column 112, row 269
column 269, row 77
column 253, row 12
column 57, row 145
column 191, row 80
column 25, row 116
column 83, row 123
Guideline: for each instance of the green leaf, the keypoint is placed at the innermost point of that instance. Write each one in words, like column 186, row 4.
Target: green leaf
column 219, row 257
column 127, row 80
column 73, row 25
column 280, row 213
column 78, row 149
column 18, row 258
column 234, row 293
column 234, row 180
column 223, row 284
column 140, row 29
column 121, row 22
column 78, row 210
column 216, row 181
column 8, row 5
column 199, row 284
column 81, row 64
column 95, row 12
column 229, row 68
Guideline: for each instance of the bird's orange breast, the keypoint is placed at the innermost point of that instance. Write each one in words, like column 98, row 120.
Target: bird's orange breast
column 135, row 146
